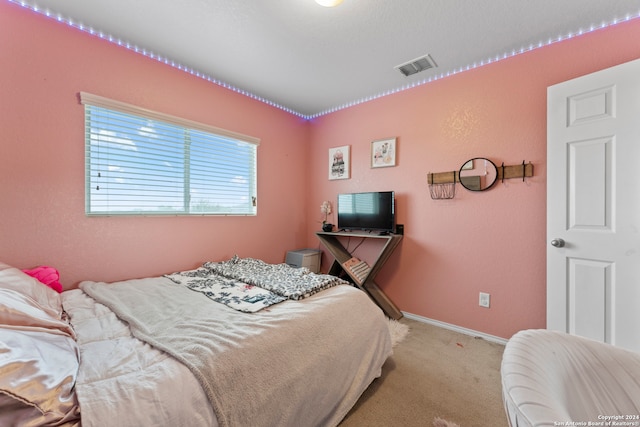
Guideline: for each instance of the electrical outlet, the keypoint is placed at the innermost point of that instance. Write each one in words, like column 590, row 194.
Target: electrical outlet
column 485, row 299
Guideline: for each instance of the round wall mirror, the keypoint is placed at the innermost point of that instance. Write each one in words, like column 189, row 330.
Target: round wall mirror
column 478, row 174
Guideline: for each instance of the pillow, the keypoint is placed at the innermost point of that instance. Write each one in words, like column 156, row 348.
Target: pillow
column 47, row 275
column 14, row 279
column 16, row 413
column 37, row 369
column 18, row 311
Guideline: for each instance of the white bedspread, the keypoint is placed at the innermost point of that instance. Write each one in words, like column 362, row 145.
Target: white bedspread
column 296, row 363
column 125, row 382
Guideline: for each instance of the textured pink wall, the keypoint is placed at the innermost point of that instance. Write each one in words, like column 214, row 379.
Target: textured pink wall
column 44, row 66
column 492, row 241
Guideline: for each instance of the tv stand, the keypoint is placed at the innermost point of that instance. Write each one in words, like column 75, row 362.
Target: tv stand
column 331, row 240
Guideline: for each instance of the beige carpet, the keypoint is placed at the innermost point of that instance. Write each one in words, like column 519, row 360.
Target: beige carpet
column 435, row 373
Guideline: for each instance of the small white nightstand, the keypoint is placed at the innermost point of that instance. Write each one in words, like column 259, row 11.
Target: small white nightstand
column 309, row 258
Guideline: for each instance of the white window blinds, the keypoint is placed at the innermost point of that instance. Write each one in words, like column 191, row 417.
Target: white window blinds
column 140, row 162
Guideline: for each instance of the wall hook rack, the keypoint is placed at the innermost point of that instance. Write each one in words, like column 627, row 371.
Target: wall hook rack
column 524, row 170
column 442, row 184
column 443, row 177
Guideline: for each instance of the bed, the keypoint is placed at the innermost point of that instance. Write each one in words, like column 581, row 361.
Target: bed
column 551, row 378
column 187, row 349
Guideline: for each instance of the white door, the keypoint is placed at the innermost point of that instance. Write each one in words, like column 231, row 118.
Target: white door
column 593, row 206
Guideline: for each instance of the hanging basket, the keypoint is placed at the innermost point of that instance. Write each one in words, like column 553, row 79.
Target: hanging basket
column 442, row 191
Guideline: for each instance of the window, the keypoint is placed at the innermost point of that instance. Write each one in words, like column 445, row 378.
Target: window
column 140, row 162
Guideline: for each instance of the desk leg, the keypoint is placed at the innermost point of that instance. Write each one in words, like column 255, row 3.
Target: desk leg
column 382, row 300
column 340, row 254
column 335, row 269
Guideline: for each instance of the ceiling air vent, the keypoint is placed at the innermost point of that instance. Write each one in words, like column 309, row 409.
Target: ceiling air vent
column 417, row 65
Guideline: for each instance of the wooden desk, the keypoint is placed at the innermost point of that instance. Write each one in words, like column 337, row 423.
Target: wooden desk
column 331, row 240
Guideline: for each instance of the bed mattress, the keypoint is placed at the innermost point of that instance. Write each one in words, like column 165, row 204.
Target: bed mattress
column 154, row 352
column 298, row 362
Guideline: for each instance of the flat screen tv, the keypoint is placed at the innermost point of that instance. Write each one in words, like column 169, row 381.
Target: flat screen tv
column 372, row 211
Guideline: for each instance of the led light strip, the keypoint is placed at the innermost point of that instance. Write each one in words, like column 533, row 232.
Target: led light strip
column 151, row 55
column 476, row 65
column 208, row 78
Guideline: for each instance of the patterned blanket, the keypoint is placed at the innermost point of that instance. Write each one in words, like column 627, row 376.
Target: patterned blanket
column 249, row 285
column 237, row 295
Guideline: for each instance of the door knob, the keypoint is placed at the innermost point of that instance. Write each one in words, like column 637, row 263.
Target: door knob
column 558, row 243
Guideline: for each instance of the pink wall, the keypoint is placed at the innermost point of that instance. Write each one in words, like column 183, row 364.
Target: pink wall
column 44, row 66
column 493, row 241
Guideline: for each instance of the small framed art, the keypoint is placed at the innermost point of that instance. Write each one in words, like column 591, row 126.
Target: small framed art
column 339, row 162
column 383, row 153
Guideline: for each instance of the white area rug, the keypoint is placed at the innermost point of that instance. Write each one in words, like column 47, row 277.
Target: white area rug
column 398, row 332
column 439, row 422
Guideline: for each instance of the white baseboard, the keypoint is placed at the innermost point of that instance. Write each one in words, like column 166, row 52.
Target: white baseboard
column 455, row 328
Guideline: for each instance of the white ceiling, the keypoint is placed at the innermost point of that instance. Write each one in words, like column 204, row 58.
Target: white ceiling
column 311, row 60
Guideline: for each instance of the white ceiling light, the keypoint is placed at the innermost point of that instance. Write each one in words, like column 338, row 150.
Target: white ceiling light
column 328, row 3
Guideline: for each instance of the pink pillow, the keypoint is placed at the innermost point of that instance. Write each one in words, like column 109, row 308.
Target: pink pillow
column 47, row 275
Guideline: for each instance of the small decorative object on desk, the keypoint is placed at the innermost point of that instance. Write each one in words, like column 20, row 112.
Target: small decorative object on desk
column 325, row 208
column 359, row 270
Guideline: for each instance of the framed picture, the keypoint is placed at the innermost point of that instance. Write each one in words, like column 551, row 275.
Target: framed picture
column 383, row 153
column 339, row 162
